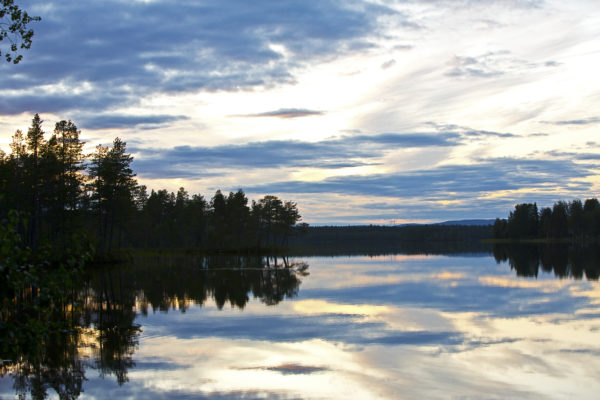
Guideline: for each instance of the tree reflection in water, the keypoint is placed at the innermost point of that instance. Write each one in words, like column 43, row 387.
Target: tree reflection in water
column 49, row 344
column 175, row 282
column 564, row 260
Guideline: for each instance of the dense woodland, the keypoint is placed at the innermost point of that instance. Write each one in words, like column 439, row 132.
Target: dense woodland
column 407, row 239
column 572, row 220
column 59, row 195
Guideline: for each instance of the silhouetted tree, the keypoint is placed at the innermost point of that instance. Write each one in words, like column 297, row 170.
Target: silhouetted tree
column 35, row 142
column 156, row 217
column 560, row 223
column 500, row 229
column 238, row 215
column 591, row 213
column 64, row 176
column 576, row 219
column 523, row 221
column 274, row 220
column 288, row 218
column 546, row 222
column 113, row 185
column 44, row 181
column 219, row 227
column 266, row 212
column 197, row 220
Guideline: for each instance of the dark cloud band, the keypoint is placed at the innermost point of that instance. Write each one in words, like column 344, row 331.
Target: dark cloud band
column 285, row 113
column 451, row 182
column 344, row 152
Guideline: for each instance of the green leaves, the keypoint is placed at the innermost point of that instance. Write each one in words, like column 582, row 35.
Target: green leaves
column 14, row 28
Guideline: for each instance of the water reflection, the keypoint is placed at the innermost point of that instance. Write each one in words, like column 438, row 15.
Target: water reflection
column 564, row 260
column 387, row 327
column 48, row 342
column 365, row 243
column 94, row 328
column 168, row 282
column 369, row 327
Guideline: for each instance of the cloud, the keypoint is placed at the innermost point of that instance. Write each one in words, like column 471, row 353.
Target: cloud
column 538, row 134
column 449, row 182
column 12, row 104
column 128, row 50
column 504, row 302
column 484, row 188
column 469, row 133
column 486, row 3
column 349, row 329
column 484, row 134
column 575, row 156
column 552, row 63
column 99, row 387
column 290, row 369
column 405, row 139
column 592, row 352
column 285, row 113
column 388, row 64
column 403, row 47
column 110, row 121
column 491, row 65
column 344, row 152
column 584, row 121
column 479, row 67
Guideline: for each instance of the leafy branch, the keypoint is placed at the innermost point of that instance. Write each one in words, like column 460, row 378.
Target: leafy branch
column 14, row 29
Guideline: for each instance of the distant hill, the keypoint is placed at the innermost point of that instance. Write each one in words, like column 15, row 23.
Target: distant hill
column 469, row 222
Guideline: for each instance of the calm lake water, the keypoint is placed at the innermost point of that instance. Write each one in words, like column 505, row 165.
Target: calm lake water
column 344, row 327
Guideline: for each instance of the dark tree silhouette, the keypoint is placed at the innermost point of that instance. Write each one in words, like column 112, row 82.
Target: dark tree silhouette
column 35, row 142
column 114, row 185
column 591, row 214
column 546, row 222
column 575, row 220
column 560, row 219
column 523, row 221
column 59, row 194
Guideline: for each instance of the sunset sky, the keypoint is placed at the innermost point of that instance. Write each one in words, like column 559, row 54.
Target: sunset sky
column 360, row 111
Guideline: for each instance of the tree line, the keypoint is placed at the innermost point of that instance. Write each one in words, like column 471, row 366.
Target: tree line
column 61, row 195
column 407, row 239
column 574, row 220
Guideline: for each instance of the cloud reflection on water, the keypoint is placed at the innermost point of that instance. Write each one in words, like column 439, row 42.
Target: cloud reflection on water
column 362, row 332
column 377, row 328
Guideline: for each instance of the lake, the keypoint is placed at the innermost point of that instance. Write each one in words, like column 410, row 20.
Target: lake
column 464, row 326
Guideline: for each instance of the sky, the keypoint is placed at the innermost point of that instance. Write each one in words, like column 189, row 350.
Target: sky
column 360, row 111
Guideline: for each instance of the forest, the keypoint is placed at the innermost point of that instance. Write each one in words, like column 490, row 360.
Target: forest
column 575, row 220
column 406, row 239
column 57, row 196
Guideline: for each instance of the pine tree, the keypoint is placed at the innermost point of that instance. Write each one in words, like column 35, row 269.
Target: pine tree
column 35, row 143
column 114, row 186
